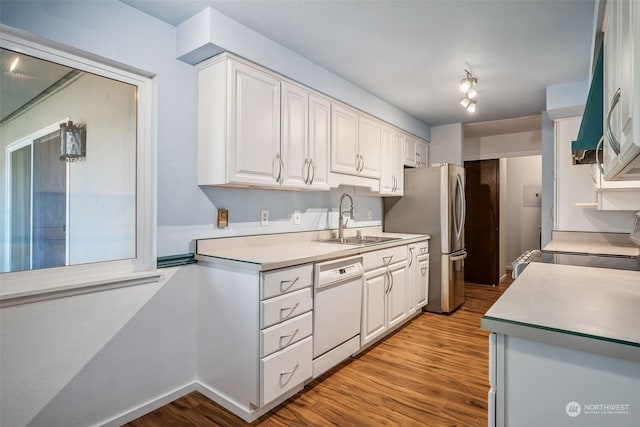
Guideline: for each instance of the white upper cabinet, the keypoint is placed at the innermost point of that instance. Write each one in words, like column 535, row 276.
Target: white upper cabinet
column 344, row 139
column 355, row 142
column 369, row 141
column 416, row 152
column 238, row 135
column 622, row 90
column 319, row 141
column 305, row 138
column 391, row 164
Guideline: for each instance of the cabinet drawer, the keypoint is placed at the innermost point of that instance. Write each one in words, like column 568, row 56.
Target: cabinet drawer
column 383, row 257
column 284, row 307
column 285, row 369
column 422, row 248
column 284, row 334
column 278, row 282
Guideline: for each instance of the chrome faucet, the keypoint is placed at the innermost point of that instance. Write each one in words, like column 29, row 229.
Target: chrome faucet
column 341, row 216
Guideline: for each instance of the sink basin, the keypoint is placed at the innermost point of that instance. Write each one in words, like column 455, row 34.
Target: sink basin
column 361, row 240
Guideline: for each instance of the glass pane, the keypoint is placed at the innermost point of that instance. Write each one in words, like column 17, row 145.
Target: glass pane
column 49, row 203
column 74, row 209
column 20, row 213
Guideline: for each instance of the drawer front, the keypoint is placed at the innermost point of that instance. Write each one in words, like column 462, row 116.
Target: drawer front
column 279, row 282
column 384, row 257
column 284, row 334
column 285, row 307
column 285, row 369
column 422, row 248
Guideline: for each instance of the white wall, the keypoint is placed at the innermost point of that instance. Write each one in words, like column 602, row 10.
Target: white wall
column 86, row 359
column 446, row 144
column 522, row 223
column 501, row 146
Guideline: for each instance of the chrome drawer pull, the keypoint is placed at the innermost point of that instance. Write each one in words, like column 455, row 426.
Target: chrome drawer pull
column 292, row 282
column 423, row 250
column 288, row 308
column 387, row 259
column 424, row 270
column 290, row 336
column 290, row 372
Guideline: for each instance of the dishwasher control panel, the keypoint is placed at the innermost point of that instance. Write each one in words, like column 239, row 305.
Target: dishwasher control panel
column 330, row 272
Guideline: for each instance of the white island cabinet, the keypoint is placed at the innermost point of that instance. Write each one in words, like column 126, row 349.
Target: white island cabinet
column 565, row 348
column 255, row 345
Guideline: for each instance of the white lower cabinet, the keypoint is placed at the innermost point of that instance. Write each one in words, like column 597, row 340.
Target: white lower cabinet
column 417, row 276
column 255, row 341
column 384, row 299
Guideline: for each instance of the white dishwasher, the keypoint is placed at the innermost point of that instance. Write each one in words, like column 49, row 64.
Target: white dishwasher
column 337, row 306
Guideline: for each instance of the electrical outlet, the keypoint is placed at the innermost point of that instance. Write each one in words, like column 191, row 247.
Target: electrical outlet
column 369, row 214
column 264, row 216
column 297, row 217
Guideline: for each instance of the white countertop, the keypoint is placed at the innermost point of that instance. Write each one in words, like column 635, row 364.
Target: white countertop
column 592, row 309
column 269, row 252
column 617, row 244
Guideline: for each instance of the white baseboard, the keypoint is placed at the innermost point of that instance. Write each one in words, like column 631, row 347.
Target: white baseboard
column 151, row 405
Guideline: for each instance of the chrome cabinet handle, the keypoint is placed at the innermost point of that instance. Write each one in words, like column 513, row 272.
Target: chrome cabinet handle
column 305, row 167
column 423, row 250
column 423, row 270
column 410, row 256
column 290, row 336
column 387, row 259
column 613, row 142
column 357, row 162
column 290, row 309
column 292, row 282
column 289, row 372
column 391, row 279
column 280, row 166
column 386, row 286
column 362, row 165
column 598, row 162
column 312, row 166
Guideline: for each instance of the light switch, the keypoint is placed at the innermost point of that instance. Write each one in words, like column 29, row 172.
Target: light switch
column 297, row 217
column 264, row 217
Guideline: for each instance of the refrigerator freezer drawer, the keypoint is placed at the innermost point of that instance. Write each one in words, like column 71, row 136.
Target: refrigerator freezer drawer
column 452, row 280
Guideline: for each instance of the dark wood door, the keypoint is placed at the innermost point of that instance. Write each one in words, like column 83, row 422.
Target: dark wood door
column 481, row 225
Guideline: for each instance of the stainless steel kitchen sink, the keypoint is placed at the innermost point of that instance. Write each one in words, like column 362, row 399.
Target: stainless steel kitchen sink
column 361, row 240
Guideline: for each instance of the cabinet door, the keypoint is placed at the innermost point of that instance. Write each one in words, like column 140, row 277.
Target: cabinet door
column 295, row 156
column 410, row 151
column 398, row 156
column 319, row 135
column 387, row 167
column 373, row 305
column 344, row 139
column 369, row 141
column 422, row 154
column 397, row 294
column 422, row 281
column 254, row 133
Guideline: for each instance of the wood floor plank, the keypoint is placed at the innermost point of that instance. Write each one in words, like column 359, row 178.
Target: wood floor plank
column 432, row 372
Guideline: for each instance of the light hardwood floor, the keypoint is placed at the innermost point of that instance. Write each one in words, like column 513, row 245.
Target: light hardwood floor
column 432, row 372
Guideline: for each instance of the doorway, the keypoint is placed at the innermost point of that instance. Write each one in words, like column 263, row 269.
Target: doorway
column 482, row 227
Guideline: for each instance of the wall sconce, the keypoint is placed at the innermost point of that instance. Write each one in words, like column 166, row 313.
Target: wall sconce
column 73, row 141
column 467, row 87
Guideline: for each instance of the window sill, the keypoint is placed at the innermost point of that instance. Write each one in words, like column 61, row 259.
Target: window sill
column 26, row 293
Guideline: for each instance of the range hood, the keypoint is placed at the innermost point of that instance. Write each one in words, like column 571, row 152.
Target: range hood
column 584, row 148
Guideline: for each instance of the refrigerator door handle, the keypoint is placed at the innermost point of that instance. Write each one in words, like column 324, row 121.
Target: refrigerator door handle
column 463, row 255
column 459, row 221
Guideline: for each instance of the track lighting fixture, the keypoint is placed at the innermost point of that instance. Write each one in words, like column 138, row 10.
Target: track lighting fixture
column 467, row 87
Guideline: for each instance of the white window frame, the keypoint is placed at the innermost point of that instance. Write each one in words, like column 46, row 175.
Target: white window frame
column 26, row 286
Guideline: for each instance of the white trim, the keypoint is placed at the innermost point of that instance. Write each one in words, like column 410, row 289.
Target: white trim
column 151, row 405
column 79, row 276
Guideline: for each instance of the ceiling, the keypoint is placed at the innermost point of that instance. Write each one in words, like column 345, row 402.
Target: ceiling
column 413, row 53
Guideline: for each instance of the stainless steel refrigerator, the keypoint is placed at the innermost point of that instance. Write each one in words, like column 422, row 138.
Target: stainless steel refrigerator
column 434, row 204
